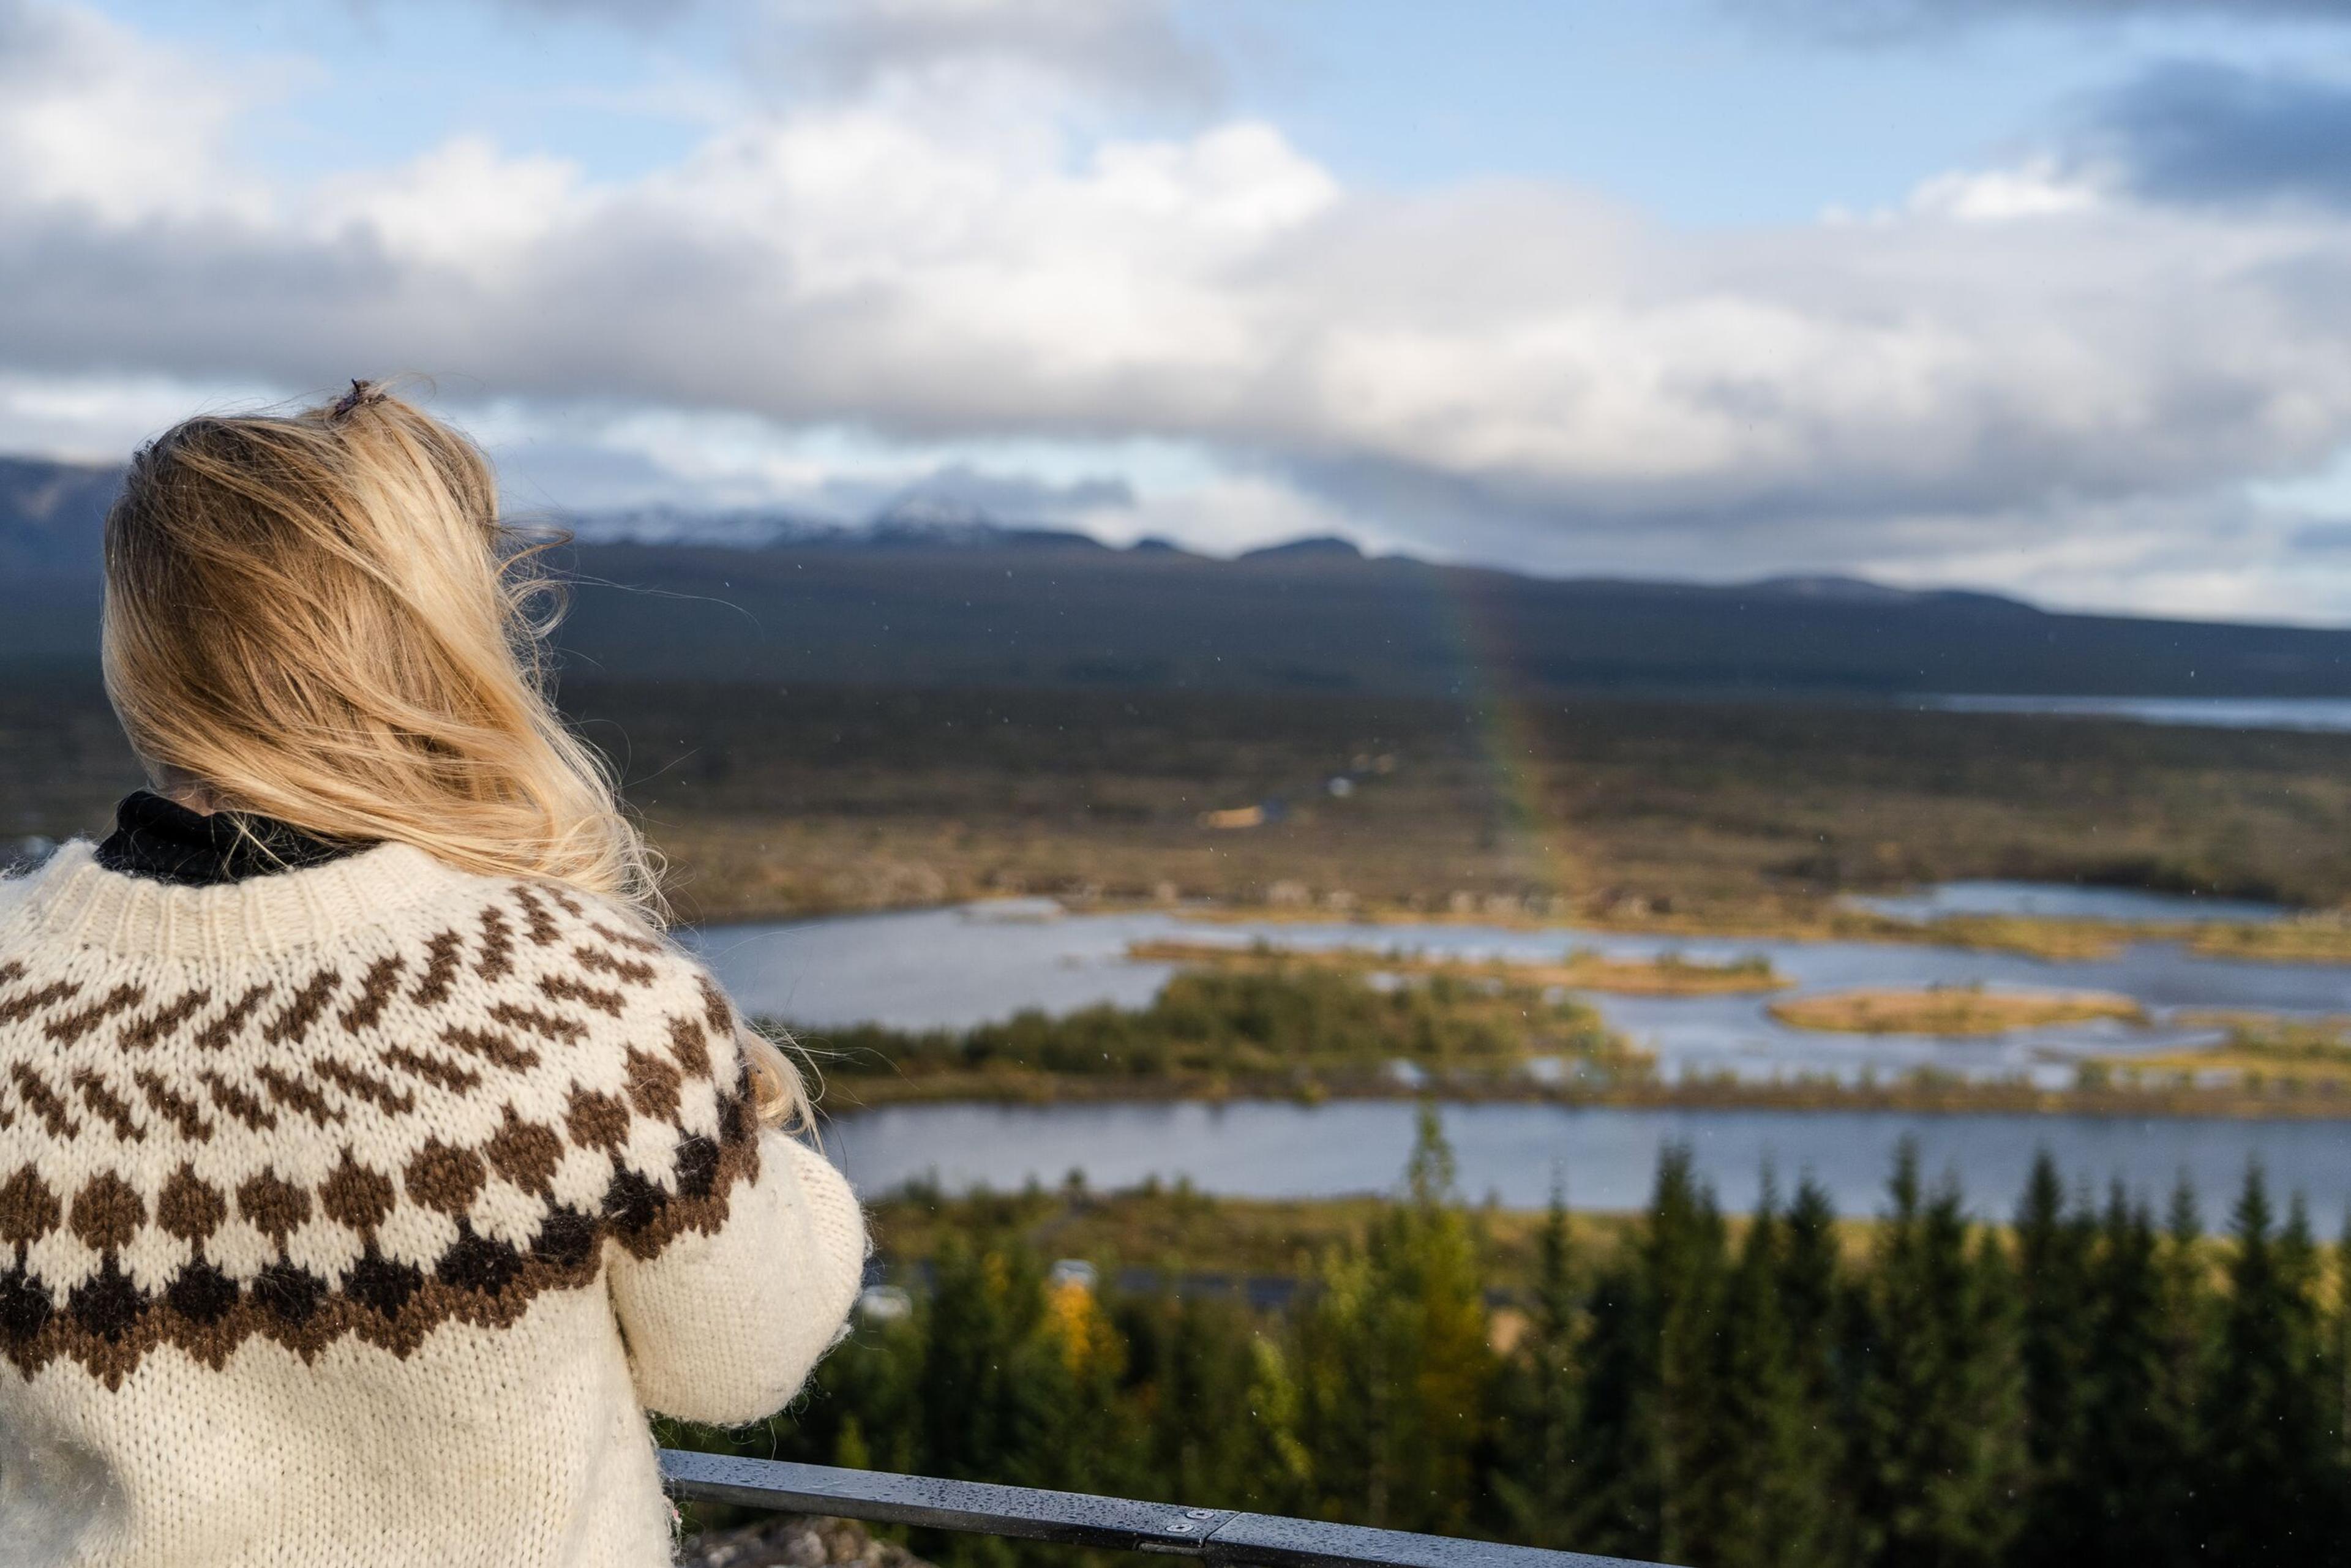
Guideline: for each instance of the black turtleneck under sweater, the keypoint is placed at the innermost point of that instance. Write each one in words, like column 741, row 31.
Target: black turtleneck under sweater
column 164, row 840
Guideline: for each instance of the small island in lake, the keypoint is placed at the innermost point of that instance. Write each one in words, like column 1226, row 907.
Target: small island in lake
column 1951, row 1010
column 1667, row 975
column 2261, row 1049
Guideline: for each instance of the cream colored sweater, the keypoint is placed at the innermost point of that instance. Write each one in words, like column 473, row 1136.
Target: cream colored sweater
column 354, row 1216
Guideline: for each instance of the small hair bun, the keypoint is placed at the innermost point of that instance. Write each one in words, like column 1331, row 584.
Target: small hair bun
column 361, row 395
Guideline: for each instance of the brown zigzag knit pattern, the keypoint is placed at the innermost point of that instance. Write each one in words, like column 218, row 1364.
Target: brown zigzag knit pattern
column 368, row 1104
column 490, row 1222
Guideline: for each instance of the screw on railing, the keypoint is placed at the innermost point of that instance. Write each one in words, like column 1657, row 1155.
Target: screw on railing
column 1219, row 1537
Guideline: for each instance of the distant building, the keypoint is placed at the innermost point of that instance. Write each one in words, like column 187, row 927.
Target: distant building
column 1014, row 911
column 1074, row 1271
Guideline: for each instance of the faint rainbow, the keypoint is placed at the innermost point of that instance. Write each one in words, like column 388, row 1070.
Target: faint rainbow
column 1502, row 723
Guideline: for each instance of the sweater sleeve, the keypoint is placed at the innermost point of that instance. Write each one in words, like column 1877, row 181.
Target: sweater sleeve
column 723, row 1327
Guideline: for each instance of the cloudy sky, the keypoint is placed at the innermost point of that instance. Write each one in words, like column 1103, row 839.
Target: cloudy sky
column 2051, row 295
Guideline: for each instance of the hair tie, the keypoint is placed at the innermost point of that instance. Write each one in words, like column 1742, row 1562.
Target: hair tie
column 361, row 395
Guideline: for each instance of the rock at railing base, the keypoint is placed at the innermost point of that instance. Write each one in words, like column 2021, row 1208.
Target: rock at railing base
column 795, row 1540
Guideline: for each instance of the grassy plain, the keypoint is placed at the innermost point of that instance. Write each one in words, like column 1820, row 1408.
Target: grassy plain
column 1178, row 1232
column 1674, row 817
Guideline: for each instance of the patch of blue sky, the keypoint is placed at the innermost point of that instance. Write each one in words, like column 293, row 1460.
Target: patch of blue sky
column 375, row 85
column 1699, row 115
column 2323, row 493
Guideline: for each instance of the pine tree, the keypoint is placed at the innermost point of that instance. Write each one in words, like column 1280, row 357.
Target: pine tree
column 2189, row 1329
column 1432, row 1260
column 1648, row 1395
column 1758, row 1406
column 2134, row 1473
column 988, row 1379
column 988, row 1385
column 2339, row 1345
column 1817, row 1298
column 1349, row 1366
column 1191, row 1364
column 2054, row 1250
column 1089, row 1442
column 1277, row 1466
column 1537, row 1485
column 2274, row 1486
column 1763, row 1494
column 2303, row 1267
column 1396, row 1377
column 1938, row 1419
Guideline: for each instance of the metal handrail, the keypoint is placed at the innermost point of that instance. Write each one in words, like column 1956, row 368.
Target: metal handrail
column 1216, row 1536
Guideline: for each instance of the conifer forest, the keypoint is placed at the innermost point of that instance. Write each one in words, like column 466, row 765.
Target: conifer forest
column 2091, row 1382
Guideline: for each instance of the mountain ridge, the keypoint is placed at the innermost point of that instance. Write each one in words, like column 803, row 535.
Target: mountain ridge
column 53, row 516
column 52, row 513
column 939, row 594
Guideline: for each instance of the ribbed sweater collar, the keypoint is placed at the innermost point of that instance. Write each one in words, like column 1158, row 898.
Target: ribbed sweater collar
column 74, row 899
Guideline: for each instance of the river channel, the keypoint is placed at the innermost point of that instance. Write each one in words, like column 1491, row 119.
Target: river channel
column 953, row 968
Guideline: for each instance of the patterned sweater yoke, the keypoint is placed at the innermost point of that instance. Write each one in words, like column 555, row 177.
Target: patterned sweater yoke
column 356, row 1214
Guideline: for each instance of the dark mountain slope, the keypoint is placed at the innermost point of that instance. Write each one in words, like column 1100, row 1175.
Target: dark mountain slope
column 921, row 602
column 1086, row 616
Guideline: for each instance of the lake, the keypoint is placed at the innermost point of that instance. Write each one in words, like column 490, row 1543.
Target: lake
column 953, row 968
column 2063, row 901
column 1605, row 1156
column 2219, row 713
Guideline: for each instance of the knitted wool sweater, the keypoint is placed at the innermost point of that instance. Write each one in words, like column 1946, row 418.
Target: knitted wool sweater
column 354, row 1215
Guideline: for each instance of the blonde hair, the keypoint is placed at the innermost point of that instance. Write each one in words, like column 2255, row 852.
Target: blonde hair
column 319, row 617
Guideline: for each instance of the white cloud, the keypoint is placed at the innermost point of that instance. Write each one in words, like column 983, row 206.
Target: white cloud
column 1225, row 514
column 941, row 263
column 2214, row 556
column 96, row 118
column 2038, row 188
column 461, row 206
column 99, row 417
